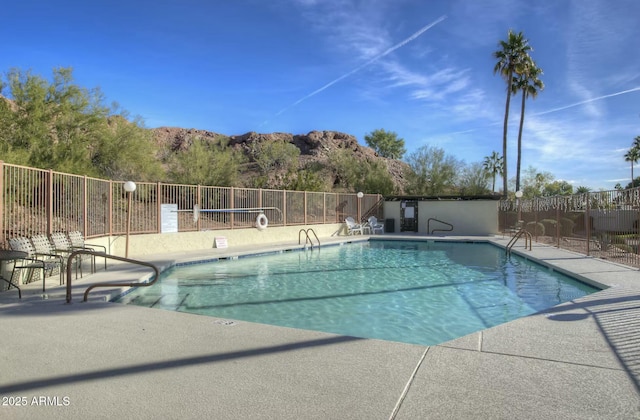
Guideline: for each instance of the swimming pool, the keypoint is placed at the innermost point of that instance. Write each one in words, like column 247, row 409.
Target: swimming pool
column 421, row 292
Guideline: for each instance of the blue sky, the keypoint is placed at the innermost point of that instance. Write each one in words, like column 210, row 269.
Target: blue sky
column 423, row 69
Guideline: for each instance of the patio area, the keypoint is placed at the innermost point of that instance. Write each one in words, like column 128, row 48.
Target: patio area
column 578, row 360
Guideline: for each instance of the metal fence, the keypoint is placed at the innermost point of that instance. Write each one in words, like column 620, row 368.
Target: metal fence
column 603, row 224
column 34, row 201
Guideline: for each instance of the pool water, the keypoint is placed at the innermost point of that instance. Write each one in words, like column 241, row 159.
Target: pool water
column 409, row 291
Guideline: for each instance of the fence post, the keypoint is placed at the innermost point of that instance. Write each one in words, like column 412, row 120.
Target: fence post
column 2, row 235
column 110, row 214
column 159, row 208
column 557, row 224
column 536, row 218
column 587, row 222
column 198, row 201
column 232, row 206
column 324, row 207
column 284, row 208
column 304, row 204
column 85, row 210
column 50, row 201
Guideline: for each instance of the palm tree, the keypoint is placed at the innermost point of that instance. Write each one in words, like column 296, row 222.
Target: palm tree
column 510, row 57
column 528, row 83
column 633, row 155
column 493, row 165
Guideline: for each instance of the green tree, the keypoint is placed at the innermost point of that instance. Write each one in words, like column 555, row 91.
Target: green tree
column 582, row 190
column 361, row 175
column 557, row 188
column 493, row 164
column 53, row 124
column 373, row 178
column 207, row 163
column 271, row 155
column 125, row 150
column 533, row 182
column 386, row 143
column 305, row 180
column 62, row 126
column 474, row 180
column 432, row 172
column 511, row 56
column 634, row 184
column 529, row 84
column 633, row 154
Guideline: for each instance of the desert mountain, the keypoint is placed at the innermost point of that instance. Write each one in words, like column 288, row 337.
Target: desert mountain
column 315, row 148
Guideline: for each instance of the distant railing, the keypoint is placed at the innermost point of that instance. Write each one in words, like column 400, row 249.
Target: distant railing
column 34, row 201
column 603, row 224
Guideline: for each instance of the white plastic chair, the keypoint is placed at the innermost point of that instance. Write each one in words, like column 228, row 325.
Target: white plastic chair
column 375, row 226
column 353, row 226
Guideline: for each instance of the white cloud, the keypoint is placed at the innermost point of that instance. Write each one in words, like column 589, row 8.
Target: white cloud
column 359, row 31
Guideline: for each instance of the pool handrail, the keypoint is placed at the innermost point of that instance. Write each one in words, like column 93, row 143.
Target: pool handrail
column 108, row 284
column 527, row 237
column 438, row 230
column 308, row 239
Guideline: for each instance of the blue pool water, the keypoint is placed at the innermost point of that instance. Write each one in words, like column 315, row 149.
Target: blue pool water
column 409, row 291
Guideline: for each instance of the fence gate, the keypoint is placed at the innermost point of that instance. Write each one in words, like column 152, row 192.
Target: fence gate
column 409, row 216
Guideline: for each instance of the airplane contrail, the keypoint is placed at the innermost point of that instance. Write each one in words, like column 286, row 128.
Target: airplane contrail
column 549, row 111
column 635, row 89
column 377, row 57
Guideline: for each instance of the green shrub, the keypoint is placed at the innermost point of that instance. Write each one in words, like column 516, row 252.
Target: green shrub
column 536, row 229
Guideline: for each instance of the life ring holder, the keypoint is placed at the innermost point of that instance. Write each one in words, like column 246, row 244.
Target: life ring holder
column 262, row 222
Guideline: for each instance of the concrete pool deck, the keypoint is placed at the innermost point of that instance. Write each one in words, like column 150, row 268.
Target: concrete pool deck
column 579, row 360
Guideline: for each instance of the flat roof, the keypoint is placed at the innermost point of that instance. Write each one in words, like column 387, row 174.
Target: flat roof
column 441, row 197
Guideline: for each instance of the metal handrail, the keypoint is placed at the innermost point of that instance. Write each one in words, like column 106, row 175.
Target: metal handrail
column 306, row 232
column 439, row 230
column 512, row 242
column 373, row 210
column 107, row 284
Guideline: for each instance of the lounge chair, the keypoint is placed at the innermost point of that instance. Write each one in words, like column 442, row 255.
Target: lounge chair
column 62, row 244
column 353, row 227
column 45, row 250
column 77, row 241
column 374, row 225
column 30, row 262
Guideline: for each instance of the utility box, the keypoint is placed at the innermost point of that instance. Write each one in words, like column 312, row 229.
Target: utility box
column 389, row 225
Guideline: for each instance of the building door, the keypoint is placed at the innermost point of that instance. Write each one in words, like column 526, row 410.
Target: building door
column 409, row 216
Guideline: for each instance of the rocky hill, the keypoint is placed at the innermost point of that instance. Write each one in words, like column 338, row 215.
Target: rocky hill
column 315, row 147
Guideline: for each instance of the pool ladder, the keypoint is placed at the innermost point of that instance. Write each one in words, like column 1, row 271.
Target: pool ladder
column 527, row 239
column 308, row 239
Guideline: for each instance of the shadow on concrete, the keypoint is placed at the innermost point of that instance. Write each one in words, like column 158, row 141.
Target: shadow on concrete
column 170, row 364
column 617, row 315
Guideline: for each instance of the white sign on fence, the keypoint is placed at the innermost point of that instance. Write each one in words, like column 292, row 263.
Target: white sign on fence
column 168, row 218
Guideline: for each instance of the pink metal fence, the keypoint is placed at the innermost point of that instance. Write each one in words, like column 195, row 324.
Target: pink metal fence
column 603, row 224
column 34, row 201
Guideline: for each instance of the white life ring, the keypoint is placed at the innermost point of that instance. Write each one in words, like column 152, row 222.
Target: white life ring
column 262, row 222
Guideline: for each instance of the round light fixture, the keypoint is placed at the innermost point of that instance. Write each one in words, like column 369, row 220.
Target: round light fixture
column 129, row 186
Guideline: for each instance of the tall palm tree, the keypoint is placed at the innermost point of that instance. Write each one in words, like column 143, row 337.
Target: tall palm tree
column 529, row 84
column 510, row 56
column 493, row 165
column 633, row 155
column 636, row 143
